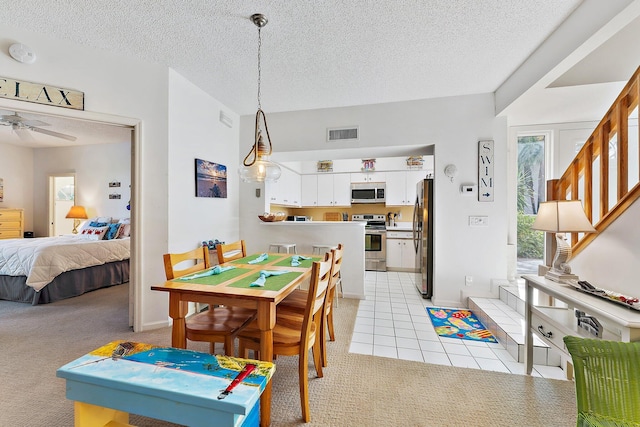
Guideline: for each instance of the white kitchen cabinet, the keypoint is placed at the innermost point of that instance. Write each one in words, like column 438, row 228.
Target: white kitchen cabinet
column 368, row 176
column 309, row 190
column 401, row 187
column 334, row 189
column 400, row 251
column 286, row 190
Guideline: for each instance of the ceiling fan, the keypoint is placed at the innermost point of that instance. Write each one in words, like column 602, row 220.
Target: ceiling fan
column 22, row 126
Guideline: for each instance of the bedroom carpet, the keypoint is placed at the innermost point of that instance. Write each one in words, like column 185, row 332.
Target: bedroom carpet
column 356, row 389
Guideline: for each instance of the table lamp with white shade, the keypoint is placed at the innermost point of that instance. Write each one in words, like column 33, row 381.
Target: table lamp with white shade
column 559, row 217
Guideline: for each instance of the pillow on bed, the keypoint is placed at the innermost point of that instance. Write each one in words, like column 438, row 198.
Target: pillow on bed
column 98, row 221
column 98, row 224
column 94, row 233
column 125, row 230
column 113, row 231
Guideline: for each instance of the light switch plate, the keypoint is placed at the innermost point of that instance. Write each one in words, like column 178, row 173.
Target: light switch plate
column 478, row 221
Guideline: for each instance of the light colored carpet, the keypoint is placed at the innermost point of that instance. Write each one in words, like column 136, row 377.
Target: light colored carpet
column 356, row 390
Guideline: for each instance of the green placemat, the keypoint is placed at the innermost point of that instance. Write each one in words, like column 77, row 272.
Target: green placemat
column 216, row 279
column 246, row 259
column 305, row 263
column 273, row 283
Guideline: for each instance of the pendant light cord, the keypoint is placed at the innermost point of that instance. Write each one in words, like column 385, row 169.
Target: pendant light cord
column 259, row 67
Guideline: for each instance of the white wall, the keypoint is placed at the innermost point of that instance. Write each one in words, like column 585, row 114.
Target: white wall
column 612, row 260
column 16, row 171
column 196, row 132
column 95, row 166
column 454, row 125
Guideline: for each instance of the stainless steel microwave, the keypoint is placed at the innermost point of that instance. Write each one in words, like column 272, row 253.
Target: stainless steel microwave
column 368, row 192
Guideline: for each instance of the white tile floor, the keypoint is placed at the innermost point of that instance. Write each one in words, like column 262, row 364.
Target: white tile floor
column 392, row 322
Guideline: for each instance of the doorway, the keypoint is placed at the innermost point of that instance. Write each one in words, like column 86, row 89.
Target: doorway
column 62, row 195
column 531, row 186
column 95, row 128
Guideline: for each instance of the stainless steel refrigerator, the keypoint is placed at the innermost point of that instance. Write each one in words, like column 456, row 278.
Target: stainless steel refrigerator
column 423, row 236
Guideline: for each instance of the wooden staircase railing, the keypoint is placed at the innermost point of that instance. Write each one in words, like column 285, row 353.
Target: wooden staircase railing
column 605, row 187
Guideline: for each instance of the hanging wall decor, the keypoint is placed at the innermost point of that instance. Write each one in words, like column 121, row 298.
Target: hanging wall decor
column 1, row 190
column 40, row 93
column 211, row 179
column 415, row 162
column 368, row 165
column 485, row 171
column 325, row 166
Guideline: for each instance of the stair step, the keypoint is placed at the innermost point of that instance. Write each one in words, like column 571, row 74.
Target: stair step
column 504, row 317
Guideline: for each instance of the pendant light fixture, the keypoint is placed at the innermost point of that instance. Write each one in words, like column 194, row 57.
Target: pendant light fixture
column 256, row 166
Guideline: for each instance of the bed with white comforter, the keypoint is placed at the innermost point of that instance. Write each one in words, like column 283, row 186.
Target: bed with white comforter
column 73, row 264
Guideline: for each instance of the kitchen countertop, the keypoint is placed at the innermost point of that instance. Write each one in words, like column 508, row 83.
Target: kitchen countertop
column 401, row 226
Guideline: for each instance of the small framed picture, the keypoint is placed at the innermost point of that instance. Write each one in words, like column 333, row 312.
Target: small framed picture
column 211, row 179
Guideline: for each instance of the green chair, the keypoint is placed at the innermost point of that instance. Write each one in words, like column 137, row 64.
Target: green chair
column 607, row 378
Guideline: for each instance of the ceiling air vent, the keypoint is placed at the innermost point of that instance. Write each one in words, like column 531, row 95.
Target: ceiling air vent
column 342, row 134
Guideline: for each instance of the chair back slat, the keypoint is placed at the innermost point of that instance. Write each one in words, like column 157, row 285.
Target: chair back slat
column 336, row 265
column 231, row 251
column 199, row 256
column 320, row 276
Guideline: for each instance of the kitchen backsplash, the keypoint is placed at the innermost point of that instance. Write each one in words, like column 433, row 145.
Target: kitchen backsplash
column 404, row 213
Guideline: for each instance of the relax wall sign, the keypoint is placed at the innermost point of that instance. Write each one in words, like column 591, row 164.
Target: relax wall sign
column 41, row 94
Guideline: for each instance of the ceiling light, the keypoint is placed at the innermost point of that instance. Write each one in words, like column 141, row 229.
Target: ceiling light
column 256, row 166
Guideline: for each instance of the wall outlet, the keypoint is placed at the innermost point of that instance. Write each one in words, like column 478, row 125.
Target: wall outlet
column 468, row 280
column 478, row 221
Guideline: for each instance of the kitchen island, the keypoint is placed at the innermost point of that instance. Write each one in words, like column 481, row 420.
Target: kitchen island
column 307, row 233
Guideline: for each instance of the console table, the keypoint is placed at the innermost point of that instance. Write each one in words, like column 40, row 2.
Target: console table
column 552, row 322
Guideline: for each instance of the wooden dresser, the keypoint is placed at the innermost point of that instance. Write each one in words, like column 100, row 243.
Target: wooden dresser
column 11, row 223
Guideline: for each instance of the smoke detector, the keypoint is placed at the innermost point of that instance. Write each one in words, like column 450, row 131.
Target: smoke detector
column 22, row 53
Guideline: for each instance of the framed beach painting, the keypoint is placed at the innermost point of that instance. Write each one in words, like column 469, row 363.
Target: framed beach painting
column 211, row 179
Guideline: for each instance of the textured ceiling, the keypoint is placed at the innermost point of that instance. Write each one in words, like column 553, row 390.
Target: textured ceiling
column 315, row 54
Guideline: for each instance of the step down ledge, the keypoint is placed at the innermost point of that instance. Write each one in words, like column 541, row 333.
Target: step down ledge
column 507, row 325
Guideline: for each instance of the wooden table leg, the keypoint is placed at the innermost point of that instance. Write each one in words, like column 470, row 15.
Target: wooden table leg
column 177, row 311
column 266, row 321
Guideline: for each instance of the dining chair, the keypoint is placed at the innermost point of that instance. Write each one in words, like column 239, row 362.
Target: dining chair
column 296, row 301
column 607, row 380
column 295, row 335
column 216, row 325
column 230, row 251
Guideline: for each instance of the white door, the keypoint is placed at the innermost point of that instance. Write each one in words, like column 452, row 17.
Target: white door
column 62, row 194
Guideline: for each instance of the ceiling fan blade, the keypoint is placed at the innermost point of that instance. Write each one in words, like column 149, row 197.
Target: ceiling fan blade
column 52, row 133
column 34, row 123
column 12, row 118
column 23, row 134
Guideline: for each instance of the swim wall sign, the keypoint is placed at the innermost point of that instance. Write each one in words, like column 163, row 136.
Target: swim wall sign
column 41, row 94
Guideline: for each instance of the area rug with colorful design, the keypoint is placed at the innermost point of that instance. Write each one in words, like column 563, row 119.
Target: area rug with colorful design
column 462, row 324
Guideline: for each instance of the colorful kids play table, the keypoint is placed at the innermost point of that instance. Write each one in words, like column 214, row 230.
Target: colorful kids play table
column 165, row 383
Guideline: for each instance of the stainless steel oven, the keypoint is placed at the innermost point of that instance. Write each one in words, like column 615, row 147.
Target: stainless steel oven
column 375, row 241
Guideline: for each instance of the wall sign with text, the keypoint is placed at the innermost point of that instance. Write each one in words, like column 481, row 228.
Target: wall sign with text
column 41, row 94
column 485, row 171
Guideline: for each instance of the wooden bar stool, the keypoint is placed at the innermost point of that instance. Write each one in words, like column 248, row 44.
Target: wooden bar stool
column 286, row 246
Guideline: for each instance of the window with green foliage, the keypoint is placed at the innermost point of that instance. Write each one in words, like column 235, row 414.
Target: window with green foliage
column 531, row 191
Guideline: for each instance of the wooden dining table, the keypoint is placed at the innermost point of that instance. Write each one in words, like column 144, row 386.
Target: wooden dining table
column 232, row 288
